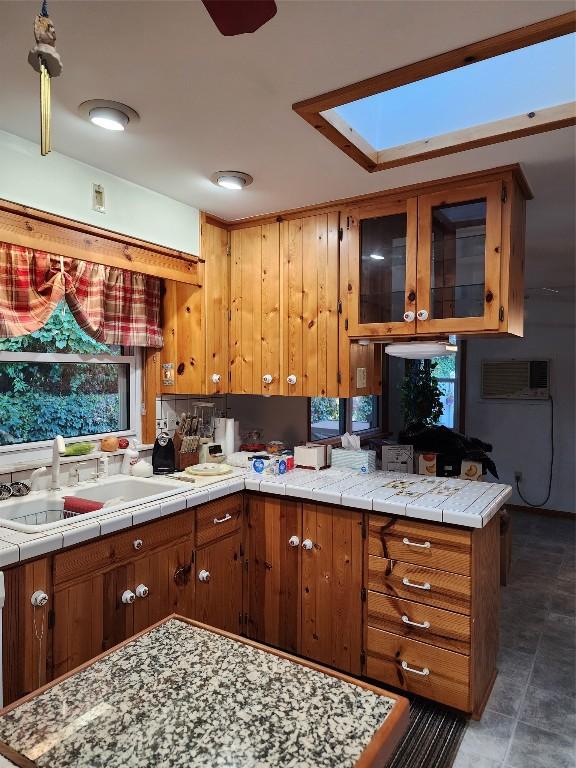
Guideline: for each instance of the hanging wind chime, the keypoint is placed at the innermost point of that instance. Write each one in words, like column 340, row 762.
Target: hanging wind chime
column 45, row 60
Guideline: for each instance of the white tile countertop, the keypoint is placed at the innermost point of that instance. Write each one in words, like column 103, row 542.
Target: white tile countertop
column 447, row 500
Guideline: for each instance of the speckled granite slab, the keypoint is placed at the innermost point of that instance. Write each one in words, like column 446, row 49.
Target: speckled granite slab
column 181, row 696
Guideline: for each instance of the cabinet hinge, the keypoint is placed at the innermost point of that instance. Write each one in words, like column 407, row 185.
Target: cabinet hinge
column 229, row 315
column 339, row 306
column 504, row 196
column 241, row 550
column 363, row 594
column 339, row 377
column 346, row 324
column 340, row 234
column 228, row 250
column 347, row 222
column 51, row 619
column 193, row 557
column 362, row 658
column 245, row 619
column 363, row 527
column 501, row 314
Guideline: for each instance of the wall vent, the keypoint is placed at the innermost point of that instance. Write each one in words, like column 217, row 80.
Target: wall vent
column 515, row 379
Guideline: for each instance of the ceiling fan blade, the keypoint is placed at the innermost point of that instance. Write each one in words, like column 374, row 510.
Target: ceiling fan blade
column 236, row 17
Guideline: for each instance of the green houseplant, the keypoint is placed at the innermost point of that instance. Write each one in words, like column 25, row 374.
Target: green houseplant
column 421, row 394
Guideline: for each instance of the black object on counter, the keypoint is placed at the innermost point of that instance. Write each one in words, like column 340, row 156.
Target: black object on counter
column 163, row 455
column 451, row 446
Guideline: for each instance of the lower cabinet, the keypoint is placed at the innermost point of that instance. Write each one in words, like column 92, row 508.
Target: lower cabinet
column 304, row 577
column 219, row 584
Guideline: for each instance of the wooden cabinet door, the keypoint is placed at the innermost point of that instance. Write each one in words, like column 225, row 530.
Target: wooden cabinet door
column 218, row 584
column 379, row 252
column 182, row 357
column 331, row 586
column 168, row 577
column 90, row 617
column 459, row 251
column 215, row 252
column 255, row 310
column 310, row 287
column 273, row 601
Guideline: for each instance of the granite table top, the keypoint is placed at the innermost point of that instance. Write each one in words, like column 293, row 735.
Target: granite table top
column 180, row 695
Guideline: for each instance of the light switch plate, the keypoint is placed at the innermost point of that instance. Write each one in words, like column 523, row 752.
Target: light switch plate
column 361, row 378
column 98, row 198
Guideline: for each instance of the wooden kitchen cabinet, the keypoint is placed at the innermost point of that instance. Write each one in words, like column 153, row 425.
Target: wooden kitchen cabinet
column 219, row 584
column 182, row 358
column 215, row 250
column 273, row 594
column 445, row 259
column 304, row 579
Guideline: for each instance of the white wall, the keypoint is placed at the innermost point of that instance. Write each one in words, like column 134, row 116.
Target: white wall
column 519, row 430
column 61, row 185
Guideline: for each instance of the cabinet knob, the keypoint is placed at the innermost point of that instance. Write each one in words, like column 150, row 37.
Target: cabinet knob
column 308, row 544
column 409, row 317
column 128, row 597
column 293, row 541
column 204, row 575
column 39, row 598
column 137, row 544
column 267, row 378
column 422, row 314
column 142, row 590
column 291, row 379
column 216, row 378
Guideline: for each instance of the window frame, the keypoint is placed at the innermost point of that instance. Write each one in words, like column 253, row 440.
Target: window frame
column 131, row 356
column 346, row 403
column 320, row 112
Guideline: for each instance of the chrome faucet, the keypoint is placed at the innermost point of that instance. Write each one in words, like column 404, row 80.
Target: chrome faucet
column 58, row 449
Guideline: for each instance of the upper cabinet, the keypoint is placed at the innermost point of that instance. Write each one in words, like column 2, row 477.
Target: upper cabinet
column 447, row 261
column 215, row 251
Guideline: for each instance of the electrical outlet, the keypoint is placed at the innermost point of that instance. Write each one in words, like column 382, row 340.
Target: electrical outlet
column 517, row 476
column 161, row 424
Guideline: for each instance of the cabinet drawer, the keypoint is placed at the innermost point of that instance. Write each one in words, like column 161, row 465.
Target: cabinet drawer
column 217, row 519
column 430, row 544
column 120, row 547
column 420, row 622
column 419, row 668
column 439, row 589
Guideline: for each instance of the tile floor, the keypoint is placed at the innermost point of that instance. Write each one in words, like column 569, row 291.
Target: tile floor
column 530, row 719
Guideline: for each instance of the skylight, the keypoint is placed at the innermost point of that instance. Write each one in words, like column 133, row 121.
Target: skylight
column 526, row 80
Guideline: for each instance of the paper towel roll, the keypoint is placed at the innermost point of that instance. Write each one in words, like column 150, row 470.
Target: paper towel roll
column 219, row 431
column 237, row 440
column 229, row 437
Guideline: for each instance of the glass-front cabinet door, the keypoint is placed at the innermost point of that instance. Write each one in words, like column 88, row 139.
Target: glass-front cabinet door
column 382, row 270
column 458, row 265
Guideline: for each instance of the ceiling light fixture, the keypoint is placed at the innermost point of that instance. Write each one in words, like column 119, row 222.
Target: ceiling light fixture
column 110, row 115
column 421, row 350
column 231, row 179
column 377, row 256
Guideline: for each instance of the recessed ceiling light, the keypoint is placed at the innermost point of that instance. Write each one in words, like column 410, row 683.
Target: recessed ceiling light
column 377, row 256
column 231, row 179
column 111, row 115
column 421, row 350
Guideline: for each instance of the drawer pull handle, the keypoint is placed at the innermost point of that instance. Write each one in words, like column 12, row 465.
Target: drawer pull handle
column 409, row 543
column 425, row 625
column 407, row 583
column 422, row 672
column 137, row 544
column 218, row 520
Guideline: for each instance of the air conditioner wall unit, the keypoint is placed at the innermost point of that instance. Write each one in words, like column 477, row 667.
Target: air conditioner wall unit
column 515, row 380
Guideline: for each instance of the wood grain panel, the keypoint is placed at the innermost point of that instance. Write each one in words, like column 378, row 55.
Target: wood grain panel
column 293, row 276
column 445, row 629
column 447, row 680
column 218, row 602
column 214, row 243
column 270, row 287
column 251, row 268
column 235, row 370
column 449, row 550
column 112, row 550
column 313, row 240
column 331, row 586
column 273, row 599
column 190, row 340
column 332, row 297
column 211, row 519
column 447, row 590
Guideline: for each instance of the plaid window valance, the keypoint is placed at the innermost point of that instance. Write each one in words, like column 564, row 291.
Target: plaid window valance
column 112, row 305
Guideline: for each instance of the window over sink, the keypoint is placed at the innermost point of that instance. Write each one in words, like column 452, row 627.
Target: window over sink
column 59, row 380
column 333, row 416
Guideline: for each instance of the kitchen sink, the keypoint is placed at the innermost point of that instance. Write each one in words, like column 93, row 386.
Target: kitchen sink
column 44, row 510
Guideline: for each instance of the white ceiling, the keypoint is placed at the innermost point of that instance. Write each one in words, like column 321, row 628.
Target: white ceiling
column 208, row 102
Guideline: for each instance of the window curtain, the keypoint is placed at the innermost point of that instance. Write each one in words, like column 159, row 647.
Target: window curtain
column 114, row 306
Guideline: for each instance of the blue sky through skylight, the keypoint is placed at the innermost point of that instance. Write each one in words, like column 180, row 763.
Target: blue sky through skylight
column 529, row 79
